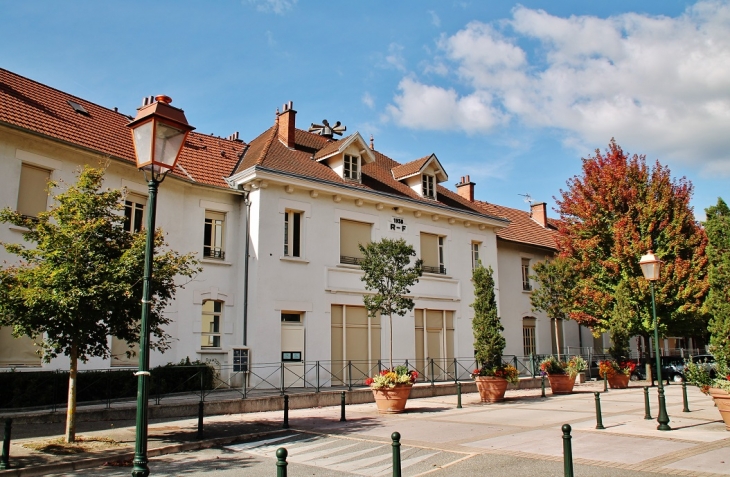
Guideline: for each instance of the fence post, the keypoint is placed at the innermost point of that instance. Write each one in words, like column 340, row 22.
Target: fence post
column 317, row 389
column 456, row 371
column 532, row 365
column 281, row 464
column 282, row 378
column 200, row 419
column 342, row 407
column 647, row 409
column 605, row 382
column 286, row 412
column 514, row 358
column 5, row 460
column 54, row 390
column 396, row 454
column 458, row 395
column 202, row 394
column 349, row 375
column 108, row 389
column 432, row 373
column 567, row 452
column 380, row 366
column 684, row 397
column 599, row 419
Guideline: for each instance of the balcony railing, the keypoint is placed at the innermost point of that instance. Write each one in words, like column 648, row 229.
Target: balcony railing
column 212, row 252
column 344, row 259
column 440, row 269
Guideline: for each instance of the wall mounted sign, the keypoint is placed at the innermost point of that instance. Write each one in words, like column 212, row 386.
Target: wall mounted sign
column 398, row 224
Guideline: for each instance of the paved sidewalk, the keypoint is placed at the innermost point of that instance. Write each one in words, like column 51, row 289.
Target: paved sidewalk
column 525, row 429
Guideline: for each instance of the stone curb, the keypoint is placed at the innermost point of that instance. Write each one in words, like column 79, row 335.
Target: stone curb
column 59, row 467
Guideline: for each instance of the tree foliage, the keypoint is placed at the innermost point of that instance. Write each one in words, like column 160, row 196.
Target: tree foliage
column 389, row 274
column 489, row 342
column 717, row 227
column 555, row 294
column 611, row 214
column 80, row 278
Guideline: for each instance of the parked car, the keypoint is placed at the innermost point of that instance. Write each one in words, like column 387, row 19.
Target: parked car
column 708, row 362
column 639, row 373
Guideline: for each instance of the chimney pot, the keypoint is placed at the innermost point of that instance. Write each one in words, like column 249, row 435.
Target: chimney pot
column 287, row 125
column 466, row 189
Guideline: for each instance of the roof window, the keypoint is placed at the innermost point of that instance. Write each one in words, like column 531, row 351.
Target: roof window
column 78, row 108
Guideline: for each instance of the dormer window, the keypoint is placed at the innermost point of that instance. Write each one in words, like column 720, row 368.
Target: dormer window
column 428, row 186
column 352, row 167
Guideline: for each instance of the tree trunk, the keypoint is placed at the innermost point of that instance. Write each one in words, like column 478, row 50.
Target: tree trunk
column 390, row 330
column 71, row 406
column 557, row 339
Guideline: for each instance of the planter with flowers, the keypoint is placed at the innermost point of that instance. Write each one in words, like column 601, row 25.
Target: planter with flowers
column 492, row 376
column 561, row 374
column 492, row 381
column 717, row 387
column 616, row 373
column 391, row 389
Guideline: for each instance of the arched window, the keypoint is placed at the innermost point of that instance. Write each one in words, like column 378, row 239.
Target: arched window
column 210, row 334
column 528, row 336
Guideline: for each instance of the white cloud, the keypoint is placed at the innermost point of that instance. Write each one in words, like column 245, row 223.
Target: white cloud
column 395, row 57
column 368, row 100
column 278, row 7
column 652, row 82
column 435, row 20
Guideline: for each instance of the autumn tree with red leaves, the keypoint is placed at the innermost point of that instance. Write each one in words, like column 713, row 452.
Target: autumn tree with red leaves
column 611, row 214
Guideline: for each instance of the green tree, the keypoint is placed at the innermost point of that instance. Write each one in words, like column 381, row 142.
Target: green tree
column 624, row 322
column 611, row 214
column 717, row 305
column 488, row 340
column 80, row 280
column 555, row 293
column 389, row 274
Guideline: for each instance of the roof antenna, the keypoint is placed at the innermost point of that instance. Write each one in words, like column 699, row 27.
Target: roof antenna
column 527, row 198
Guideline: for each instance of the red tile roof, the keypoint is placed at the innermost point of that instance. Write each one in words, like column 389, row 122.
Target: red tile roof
column 40, row 109
column 268, row 152
column 522, row 228
column 409, row 168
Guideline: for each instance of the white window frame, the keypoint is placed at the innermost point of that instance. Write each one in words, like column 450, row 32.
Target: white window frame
column 529, row 344
column 212, row 333
column 351, row 167
column 292, row 239
column 428, row 186
column 475, row 254
column 135, row 206
column 215, row 250
column 525, row 266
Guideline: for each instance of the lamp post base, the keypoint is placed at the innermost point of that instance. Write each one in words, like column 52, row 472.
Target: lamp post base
column 663, row 418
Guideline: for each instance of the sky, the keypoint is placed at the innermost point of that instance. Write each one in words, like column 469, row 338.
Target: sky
column 511, row 94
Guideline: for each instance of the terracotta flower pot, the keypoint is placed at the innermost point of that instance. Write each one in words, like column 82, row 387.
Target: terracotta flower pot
column 561, row 383
column 392, row 401
column 722, row 400
column 618, row 381
column 491, row 388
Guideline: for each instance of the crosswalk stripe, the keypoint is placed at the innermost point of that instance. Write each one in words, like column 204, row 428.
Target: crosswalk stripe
column 384, row 470
column 323, row 453
column 329, row 461
column 252, row 445
column 360, row 463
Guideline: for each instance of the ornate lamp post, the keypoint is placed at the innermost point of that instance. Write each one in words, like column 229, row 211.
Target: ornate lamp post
column 158, row 132
column 650, row 267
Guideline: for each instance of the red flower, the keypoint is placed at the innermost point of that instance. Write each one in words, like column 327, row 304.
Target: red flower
column 384, row 372
column 414, row 375
column 368, row 381
column 475, row 372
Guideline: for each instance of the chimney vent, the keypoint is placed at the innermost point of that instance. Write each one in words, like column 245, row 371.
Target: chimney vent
column 466, row 188
column 287, row 119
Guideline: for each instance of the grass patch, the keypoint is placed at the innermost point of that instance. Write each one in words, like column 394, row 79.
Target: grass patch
column 83, row 444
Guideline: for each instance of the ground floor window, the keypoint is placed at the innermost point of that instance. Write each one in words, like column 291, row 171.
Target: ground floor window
column 434, row 340
column 355, row 343
column 17, row 351
column 210, row 334
column 528, row 336
column 119, row 351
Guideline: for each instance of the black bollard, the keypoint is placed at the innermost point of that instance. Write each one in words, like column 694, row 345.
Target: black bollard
column 286, row 412
column 200, row 419
column 567, row 452
column 458, row 395
column 684, row 397
column 542, row 385
column 396, row 454
column 5, row 460
column 281, row 464
column 599, row 419
column 342, row 407
column 647, row 409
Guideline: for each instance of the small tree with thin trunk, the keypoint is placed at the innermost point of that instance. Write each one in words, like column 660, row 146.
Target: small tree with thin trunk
column 717, row 304
column 80, row 280
column 389, row 274
column 488, row 340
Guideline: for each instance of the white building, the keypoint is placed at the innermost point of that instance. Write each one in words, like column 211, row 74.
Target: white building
column 311, row 199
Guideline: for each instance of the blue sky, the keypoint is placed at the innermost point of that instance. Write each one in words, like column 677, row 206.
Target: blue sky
column 511, row 94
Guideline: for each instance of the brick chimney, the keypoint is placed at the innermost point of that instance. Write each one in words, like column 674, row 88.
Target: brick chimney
column 538, row 212
column 286, row 124
column 465, row 188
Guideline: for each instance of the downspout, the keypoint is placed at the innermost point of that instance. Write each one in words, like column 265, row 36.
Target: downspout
column 245, row 266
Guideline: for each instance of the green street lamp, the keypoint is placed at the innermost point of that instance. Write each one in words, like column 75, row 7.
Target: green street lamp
column 650, row 267
column 158, row 133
